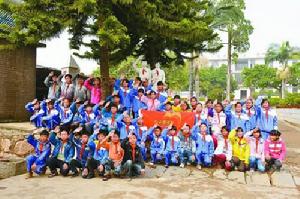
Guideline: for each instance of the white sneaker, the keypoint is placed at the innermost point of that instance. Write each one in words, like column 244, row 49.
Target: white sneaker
column 252, row 170
column 189, row 164
column 199, row 167
column 151, row 163
column 181, row 165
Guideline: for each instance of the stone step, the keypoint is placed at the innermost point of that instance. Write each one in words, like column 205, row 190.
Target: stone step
column 282, row 179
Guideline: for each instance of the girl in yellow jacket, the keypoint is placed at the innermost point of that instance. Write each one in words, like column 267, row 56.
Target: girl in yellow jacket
column 240, row 150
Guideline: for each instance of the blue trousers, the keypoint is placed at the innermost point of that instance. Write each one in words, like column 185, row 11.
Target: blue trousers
column 256, row 163
column 154, row 157
column 186, row 156
column 40, row 166
column 171, row 157
column 203, row 159
column 265, row 135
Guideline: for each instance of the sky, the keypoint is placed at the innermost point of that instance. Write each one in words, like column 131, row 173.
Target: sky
column 274, row 21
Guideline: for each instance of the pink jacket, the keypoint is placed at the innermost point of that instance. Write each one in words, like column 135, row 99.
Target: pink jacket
column 275, row 149
column 96, row 93
column 152, row 105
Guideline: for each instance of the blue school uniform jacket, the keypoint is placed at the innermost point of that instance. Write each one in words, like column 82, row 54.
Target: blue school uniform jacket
column 85, row 117
column 157, row 143
column 42, row 155
column 236, row 120
column 141, row 133
column 126, row 97
column 122, row 127
column 65, row 114
column 102, row 154
column 266, row 121
column 69, row 149
column 252, row 114
column 168, row 141
column 86, row 153
column 50, row 117
column 36, row 115
column 203, row 147
column 137, row 104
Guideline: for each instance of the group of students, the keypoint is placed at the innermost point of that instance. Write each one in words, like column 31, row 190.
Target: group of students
column 82, row 133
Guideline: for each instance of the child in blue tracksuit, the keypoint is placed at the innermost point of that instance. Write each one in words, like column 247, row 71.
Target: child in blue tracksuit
column 80, row 140
column 125, row 125
column 172, row 145
column 138, row 102
column 99, row 153
column 50, row 116
column 34, row 108
column 204, row 146
column 251, row 112
column 157, row 145
column 141, row 136
column 126, row 94
column 62, row 154
column 88, row 117
column 37, row 162
column 266, row 117
column 187, row 146
column 237, row 118
column 109, row 120
column 65, row 112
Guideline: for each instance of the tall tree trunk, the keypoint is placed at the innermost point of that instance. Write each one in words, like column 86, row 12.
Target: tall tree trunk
column 228, row 87
column 191, row 76
column 283, row 88
column 104, row 71
column 197, row 82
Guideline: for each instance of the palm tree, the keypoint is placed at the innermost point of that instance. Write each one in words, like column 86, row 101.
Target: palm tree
column 281, row 53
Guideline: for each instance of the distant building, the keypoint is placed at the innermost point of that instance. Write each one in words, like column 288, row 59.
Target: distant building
column 243, row 62
column 72, row 69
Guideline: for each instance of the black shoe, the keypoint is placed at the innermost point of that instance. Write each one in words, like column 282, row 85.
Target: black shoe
column 166, row 166
column 75, row 174
column 90, row 176
column 52, row 174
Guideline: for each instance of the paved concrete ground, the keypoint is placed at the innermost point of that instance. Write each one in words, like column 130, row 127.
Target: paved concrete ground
column 171, row 183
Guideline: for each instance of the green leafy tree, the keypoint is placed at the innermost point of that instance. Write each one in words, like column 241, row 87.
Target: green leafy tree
column 230, row 18
column 282, row 53
column 112, row 30
column 261, row 76
column 213, row 81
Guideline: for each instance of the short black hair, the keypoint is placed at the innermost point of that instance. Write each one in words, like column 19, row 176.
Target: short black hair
column 225, row 128
column 103, row 131
column 158, row 127
column 174, row 128
column 238, row 103
column 239, row 129
column 275, row 132
column 138, row 78
column 152, row 91
column 209, row 100
column 177, row 97
column 64, row 128
column 117, row 96
column 68, row 75
column 169, row 103
column 141, row 90
column 44, row 132
column 113, row 105
column 116, row 132
column 264, row 100
column 160, row 83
